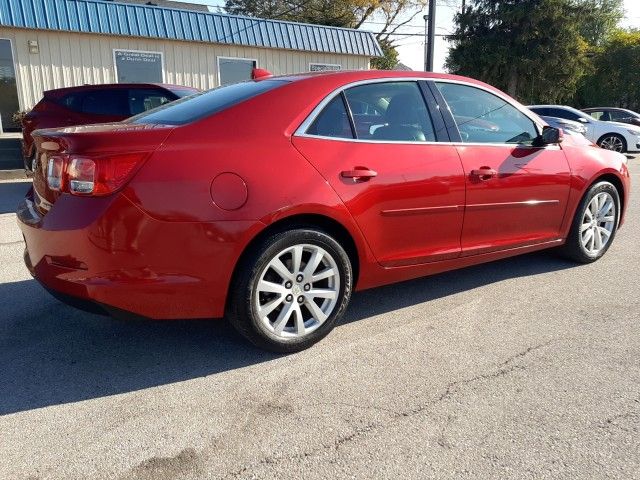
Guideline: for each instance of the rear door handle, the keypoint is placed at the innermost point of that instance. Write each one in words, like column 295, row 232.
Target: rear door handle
column 359, row 174
column 484, row 173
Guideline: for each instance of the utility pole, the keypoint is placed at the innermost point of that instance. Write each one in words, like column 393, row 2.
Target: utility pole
column 430, row 36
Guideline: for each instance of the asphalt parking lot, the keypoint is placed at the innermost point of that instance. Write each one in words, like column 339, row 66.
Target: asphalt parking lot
column 523, row 368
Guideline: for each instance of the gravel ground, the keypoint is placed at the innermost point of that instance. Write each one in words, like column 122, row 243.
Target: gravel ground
column 524, row 368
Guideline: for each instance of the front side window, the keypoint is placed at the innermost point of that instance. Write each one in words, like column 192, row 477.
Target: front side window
column 391, row 111
column 483, row 117
column 617, row 115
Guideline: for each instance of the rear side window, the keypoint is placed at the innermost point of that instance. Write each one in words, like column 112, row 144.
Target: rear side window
column 333, row 121
column 562, row 113
column 390, row 111
column 112, row 102
column 199, row 105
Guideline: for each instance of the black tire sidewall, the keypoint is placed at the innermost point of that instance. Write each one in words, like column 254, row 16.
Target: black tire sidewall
column 242, row 309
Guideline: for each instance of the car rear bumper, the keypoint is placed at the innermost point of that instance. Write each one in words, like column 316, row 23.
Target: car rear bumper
column 105, row 254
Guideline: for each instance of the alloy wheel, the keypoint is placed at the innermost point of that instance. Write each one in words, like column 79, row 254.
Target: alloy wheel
column 297, row 290
column 598, row 223
column 612, row 143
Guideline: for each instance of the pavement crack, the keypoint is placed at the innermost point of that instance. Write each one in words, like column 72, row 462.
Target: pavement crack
column 505, row 368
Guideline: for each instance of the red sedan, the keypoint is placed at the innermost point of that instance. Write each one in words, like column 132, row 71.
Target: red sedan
column 270, row 201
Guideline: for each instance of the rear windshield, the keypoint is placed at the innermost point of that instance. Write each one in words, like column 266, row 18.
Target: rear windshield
column 203, row 104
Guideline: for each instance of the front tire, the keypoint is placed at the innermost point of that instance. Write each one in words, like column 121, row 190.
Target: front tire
column 594, row 225
column 290, row 290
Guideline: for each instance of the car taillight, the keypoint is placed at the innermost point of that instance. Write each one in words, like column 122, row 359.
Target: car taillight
column 55, row 172
column 82, row 175
column 93, row 176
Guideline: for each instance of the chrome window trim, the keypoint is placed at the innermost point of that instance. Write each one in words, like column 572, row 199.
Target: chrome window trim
column 304, row 126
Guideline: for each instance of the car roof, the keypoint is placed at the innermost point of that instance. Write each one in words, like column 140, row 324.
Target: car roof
column 58, row 92
column 595, row 109
column 343, row 77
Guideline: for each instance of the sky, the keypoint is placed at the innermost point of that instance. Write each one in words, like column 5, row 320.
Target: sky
column 411, row 48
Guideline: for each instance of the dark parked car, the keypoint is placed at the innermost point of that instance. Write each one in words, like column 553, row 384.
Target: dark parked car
column 610, row 114
column 88, row 104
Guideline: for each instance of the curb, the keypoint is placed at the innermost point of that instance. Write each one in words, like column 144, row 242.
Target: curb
column 18, row 174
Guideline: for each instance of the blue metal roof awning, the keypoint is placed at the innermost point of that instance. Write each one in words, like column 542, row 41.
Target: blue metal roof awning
column 105, row 17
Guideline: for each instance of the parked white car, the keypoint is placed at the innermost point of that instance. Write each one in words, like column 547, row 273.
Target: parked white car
column 619, row 137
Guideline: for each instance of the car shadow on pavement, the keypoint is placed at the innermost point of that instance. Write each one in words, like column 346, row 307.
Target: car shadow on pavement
column 10, row 195
column 52, row 354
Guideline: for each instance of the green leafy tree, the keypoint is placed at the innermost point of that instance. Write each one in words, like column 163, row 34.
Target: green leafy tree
column 598, row 19
column 534, row 49
column 615, row 80
column 389, row 60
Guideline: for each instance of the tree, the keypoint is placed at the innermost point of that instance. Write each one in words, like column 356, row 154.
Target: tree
column 616, row 73
column 392, row 15
column 389, row 60
column 598, row 19
column 534, row 49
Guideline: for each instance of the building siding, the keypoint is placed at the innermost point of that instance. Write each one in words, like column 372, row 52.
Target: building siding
column 68, row 59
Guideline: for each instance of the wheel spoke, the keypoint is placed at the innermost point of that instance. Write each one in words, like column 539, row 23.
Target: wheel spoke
column 280, row 268
column 605, row 233
column 322, row 293
column 606, row 208
column 316, row 312
column 296, row 257
column 283, row 317
column 300, row 328
column 312, row 264
column 597, row 239
column 270, row 287
column 329, row 272
column 609, row 219
column 267, row 308
column 585, row 226
column 587, row 238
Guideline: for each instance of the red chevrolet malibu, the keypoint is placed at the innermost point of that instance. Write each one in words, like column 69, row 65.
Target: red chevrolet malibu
column 270, row 201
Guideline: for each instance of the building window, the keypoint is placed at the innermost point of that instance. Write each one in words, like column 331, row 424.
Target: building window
column 323, row 67
column 235, row 70
column 135, row 66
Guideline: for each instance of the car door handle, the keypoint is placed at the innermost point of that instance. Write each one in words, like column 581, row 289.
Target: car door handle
column 484, row 173
column 359, row 174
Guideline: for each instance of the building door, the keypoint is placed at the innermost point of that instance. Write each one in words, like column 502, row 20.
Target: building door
column 8, row 88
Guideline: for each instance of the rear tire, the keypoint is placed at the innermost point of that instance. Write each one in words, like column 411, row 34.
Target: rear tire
column 614, row 142
column 290, row 290
column 594, row 225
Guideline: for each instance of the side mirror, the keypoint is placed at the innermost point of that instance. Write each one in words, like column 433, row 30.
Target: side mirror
column 549, row 136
